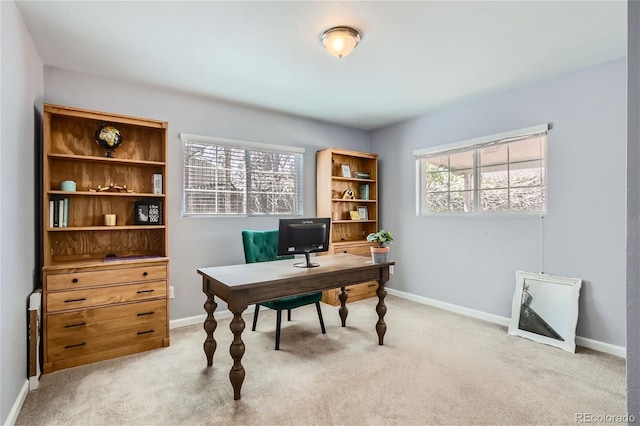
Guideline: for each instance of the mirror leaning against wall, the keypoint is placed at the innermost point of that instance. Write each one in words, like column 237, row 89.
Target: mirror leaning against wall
column 545, row 309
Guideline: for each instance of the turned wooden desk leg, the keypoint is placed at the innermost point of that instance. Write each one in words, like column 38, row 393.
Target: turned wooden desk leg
column 381, row 309
column 343, row 311
column 210, row 325
column 236, row 375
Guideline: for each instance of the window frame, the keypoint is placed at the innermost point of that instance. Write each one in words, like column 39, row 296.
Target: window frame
column 474, row 146
column 247, row 147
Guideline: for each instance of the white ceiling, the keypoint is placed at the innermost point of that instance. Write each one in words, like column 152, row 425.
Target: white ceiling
column 414, row 57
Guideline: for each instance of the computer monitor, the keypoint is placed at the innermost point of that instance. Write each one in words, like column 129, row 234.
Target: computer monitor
column 303, row 236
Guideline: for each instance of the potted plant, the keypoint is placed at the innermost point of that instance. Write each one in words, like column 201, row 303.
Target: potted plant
column 380, row 253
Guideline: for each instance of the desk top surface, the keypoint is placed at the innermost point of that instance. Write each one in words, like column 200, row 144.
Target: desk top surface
column 249, row 274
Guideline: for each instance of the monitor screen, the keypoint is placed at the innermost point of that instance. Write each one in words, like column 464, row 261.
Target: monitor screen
column 303, row 236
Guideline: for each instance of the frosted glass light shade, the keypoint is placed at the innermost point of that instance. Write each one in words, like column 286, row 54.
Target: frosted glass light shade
column 340, row 41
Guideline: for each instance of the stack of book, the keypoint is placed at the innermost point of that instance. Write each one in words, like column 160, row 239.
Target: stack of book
column 59, row 213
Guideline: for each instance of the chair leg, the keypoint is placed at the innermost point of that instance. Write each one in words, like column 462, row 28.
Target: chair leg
column 278, row 322
column 288, row 314
column 255, row 317
column 320, row 317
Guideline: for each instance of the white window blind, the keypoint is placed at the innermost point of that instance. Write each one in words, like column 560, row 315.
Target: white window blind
column 228, row 177
column 504, row 173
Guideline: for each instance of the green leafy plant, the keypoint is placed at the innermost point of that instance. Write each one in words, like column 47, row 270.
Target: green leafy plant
column 381, row 237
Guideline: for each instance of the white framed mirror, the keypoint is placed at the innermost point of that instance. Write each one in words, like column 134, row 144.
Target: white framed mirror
column 545, row 309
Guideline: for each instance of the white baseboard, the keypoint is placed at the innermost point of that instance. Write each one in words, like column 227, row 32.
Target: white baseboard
column 197, row 319
column 17, row 406
column 496, row 319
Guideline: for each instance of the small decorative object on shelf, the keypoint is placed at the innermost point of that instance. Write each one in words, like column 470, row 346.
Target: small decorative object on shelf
column 157, row 183
column 363, row 212
column 348, row 195
column 109, row 138
column 380, row 254
column 346, row 171
column 148, row 213
column 354, row 215
column 362, row 175
column 113, row 187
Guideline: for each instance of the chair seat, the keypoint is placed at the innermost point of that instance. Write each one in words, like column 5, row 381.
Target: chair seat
column 293, row 301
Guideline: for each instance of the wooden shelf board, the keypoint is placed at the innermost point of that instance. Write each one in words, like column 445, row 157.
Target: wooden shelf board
column 85, row 158
column 104, row 228
column 345, row 179
column 353, row 221
column 105, row 194
column 354, row 200
column 93, row 262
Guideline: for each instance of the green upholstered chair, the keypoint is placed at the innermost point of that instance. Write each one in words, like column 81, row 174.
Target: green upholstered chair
column 262, row 246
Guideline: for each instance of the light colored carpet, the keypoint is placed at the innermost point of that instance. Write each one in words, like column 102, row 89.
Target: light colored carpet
column 436, row 367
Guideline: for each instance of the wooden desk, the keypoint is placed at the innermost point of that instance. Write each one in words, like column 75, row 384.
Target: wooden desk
column 241, row 285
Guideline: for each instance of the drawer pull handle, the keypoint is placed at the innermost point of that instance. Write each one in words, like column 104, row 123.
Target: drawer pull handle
column 145, row 273
column 145, row 332
column 145, row 291
column 344, row 251
column 146, row 313
column 75, row 300
column 75, row 280
column 75, row 346
column 75, row 325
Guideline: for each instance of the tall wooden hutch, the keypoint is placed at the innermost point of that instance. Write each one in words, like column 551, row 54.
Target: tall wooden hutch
column 105, row 288
column 347, row 181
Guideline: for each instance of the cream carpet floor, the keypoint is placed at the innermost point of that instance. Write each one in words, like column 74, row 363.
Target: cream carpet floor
column 436, row 368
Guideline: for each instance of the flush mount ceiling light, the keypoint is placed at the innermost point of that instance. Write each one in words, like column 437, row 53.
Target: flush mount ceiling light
column 340, row 41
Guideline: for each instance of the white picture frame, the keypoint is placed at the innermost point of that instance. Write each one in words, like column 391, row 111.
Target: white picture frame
column 545, row 309
column 363, row 212
column 346, row 171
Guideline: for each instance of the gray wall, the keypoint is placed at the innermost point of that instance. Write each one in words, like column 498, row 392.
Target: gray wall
column 633, row 211
column 22, row 92
column 471, row 261
column 198, row 242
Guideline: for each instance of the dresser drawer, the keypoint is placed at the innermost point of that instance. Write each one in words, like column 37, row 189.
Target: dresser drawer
column 66, row 300
column 104, row 320
column 361, row 289
column 359, row 249
column 83, row 332
column 74, row 280
column 354, row 293
column 98, row 336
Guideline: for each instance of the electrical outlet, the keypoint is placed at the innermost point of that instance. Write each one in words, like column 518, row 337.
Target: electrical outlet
column 391, row 269
column 171, row 293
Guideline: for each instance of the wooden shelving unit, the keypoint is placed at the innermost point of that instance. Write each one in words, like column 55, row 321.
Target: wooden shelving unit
column 105, row 288
column 348, row 235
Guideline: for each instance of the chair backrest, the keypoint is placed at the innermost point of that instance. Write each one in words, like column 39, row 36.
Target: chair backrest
column 260, row 246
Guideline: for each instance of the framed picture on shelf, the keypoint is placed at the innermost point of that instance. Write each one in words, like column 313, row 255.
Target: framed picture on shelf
column 363, row 212
column 148, row 213
column 346, row 171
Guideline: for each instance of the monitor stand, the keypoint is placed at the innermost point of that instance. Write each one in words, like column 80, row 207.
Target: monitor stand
column 306, row 264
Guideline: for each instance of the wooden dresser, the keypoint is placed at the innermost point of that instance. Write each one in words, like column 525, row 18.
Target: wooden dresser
column 105, row 284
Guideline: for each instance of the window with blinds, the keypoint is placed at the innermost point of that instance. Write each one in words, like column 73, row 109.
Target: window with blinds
column 503, row 173
column 224, row 177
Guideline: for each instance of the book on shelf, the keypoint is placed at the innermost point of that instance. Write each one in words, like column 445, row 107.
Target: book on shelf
column 59, row 213
column 157, row 183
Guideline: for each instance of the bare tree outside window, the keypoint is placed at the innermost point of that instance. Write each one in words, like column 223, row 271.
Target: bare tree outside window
column 238, row 180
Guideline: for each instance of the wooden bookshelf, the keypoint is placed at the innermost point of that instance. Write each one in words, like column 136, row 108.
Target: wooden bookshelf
column 95, row 308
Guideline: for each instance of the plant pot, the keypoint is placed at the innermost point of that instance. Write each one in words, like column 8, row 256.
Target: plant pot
column 380, row 254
